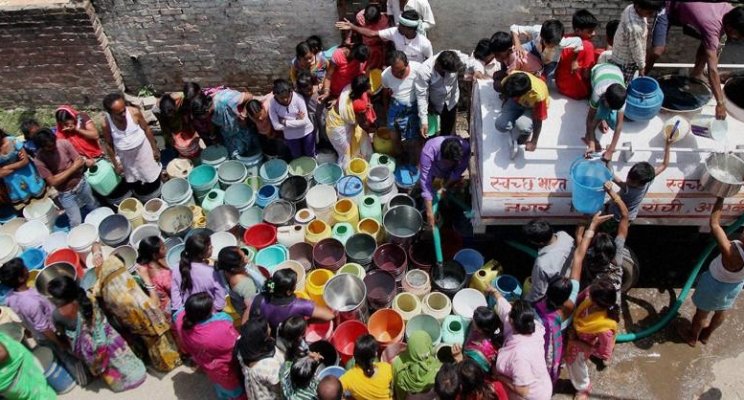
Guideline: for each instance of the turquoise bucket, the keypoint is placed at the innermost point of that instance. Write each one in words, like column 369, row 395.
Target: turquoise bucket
column 270, row 257
column 203, row 179
column 33, row 258
column 274, row 172
column 102, row 177
column 327, row 174
column 588, row 177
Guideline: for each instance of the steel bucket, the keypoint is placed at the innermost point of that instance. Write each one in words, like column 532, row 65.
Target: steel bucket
column 724, row 175
column 347, row 295
column 225, row 218
column 402, row 224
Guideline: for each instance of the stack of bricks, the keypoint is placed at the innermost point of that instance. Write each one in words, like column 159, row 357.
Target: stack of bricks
column 54, row 52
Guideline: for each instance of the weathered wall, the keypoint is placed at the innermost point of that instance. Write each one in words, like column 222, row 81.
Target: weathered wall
column 52, row 53
column 239, row 43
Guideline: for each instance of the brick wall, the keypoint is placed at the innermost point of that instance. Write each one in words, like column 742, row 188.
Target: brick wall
column 53, row 52
column 239, row 43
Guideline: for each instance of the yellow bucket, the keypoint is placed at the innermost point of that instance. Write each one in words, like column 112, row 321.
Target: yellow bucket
column 345, row 210
column 230, row 310
column 317, row 231
column 375, row 80
column 371, row 227
column 315, row 284
column 358, row 167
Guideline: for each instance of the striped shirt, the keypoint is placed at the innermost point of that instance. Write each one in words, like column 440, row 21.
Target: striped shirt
column 604, row 76
column 293, row 393
column 630, row 39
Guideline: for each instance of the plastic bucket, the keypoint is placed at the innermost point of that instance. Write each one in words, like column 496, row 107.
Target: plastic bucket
column 279, row 213
column 133, row 210
column 326, row 349
column 317, row 231
column 294, row 190
column 360, row 248
column 96, row 216
column 342, row 231
column 260, row 235
column 57, row 377
column 241, row 196
column 331, row 371
column 588, row 177
column 273, row 172
column 177, row 191
column 304, row 216
column 65, row 255
column 387, row 326
column 316, row 281
column 407, row 304
column 9, row 249
column 320, row 199
column 381, row 289
column 298, row 268
column 352, row 269
column 345, row 336
column 426, row 323
column 437, row 305
column 449, row 278
column 350, row 187
column 179, row 168
column 143, row 231
column 12, row 226
column 56, row 240
column 33, row 258
column 466, row 301
column 231, row 172
column 470, row 259
column 128, row 254
column 317, row 331
column 114, row 230
column 153, row 209
column 370, row 207
column 508, row 286
column 81, row 239
column 370, row 227
column 358, row 167
column 173, row 257
column 271, row 256
column 380, row 179
column 203, row 179
column 303, row 167
column 417, row 282
column 42, row 210
column 214, row 155
column 392, row 258
column 266, row 195
column 329, row 253
column 327, row 174
column 303, row 254
column 33, row 233
column 345, row 210
column 176, row 221
column 219, row 241
column 251, row 216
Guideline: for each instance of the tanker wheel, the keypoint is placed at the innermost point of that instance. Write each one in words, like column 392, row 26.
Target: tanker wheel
column 631, row 269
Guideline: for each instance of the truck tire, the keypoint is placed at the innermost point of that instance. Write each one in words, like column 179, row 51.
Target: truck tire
column 631, row 269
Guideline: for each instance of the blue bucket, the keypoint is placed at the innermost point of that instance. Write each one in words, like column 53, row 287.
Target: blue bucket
column 61, row 224
column 471, row 259
column 33, row 258
column 173, row 257
column 331, row 371
column 57, row 377
column 267, row 194
column 508, row 286
column 588, row 177
column 274, row 172
column 644, row 100
column 406, row 176
column 4, row 292
column 350, row 186
column 7, row 213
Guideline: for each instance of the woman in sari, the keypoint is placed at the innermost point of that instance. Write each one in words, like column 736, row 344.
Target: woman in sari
column 345, row 127
column 93, row 339
column 135, row 311
column 21, row 378
column 416, row 368
column 484, row 339
column 18, row 173
column 231, row 115
column 78, row 129
column 210, row 338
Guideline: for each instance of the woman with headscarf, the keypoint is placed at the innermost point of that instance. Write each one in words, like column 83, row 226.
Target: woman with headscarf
column 21, row 377
column 231, row 115
column 78, row 129
column 93, row 339
column 135, row 311
column 21, row 180
column 417, row 367
column 260, row 361
column 209, row 338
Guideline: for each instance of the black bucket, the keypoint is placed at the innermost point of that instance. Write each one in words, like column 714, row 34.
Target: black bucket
column 449, row 278
column 294, row 189
column 325, row 349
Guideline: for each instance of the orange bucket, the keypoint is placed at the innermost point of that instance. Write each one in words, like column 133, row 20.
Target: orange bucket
column 387, row 326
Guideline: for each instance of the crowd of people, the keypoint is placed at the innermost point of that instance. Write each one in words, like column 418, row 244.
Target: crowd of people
column 161, row 317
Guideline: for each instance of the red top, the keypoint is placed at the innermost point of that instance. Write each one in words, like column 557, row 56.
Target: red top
column 375, row 44
column 90, row 148
column 346, row 70
column 574, row 84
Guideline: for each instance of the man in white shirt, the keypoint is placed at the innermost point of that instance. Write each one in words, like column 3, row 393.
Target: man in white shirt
column 405, row 37
column 396, row 7
column 399, row 99
column 437, row 89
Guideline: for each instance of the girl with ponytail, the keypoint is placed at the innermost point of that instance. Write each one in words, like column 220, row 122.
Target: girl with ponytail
column 210, row 338
column 93, row 339
column 195, row 275
column 277, row 302
column 368, row 378
column 595, row 322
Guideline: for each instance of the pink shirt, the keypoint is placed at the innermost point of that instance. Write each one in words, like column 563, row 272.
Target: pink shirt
column 522, row 358
column 706, row 18
column 345, row 72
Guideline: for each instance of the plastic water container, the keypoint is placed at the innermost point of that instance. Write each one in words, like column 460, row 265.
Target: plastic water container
column 102, row 178
column 644, row 99
column 588, row 177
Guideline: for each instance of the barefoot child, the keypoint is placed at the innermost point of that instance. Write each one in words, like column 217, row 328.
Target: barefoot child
column 719, row 286
column 606, row 106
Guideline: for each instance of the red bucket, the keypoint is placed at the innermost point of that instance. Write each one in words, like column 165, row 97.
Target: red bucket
column 392, row 258
column 67, row 255
column 317, row 331
column 345, row 336
column 260, row 236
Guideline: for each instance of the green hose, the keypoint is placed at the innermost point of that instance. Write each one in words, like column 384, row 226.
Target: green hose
column 435, row 234
column 666, row 318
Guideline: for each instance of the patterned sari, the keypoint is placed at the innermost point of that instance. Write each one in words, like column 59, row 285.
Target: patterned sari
column 134, row 310
column 105, row 352
column 552, row 322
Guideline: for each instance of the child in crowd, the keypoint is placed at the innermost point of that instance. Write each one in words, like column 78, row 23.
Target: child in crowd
column 572, row 73
column 288, row 113
column 545, row 41
column 372, row 18
column 637, row 183
column 606, row 106
column 719, row 286
column 502, row 47
column 485, row 62
column 525, row 107
column 595, row 325
column 552, row 257
column 629, row 46
column 604, row 55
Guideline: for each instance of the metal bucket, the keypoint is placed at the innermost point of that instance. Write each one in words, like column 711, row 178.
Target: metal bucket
column 347, row 295
column 279, row 213
column 224, row 218
column 402, row 224
column 724, row 175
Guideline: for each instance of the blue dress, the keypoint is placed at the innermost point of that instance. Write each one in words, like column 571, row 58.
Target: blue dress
column 24, row 183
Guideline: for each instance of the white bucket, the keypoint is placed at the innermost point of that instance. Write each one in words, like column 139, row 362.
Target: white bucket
column 56, row 240
column 153, row 209
column 466, row 301
column 96, row 216
column 304, row 216
column 32, row 234
column 142, row 232
column 321, row 199
column 9, row 248
column 12, row 226
column 81, row 239
column 133, row 209
column 42, row 210
column 220, row 240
